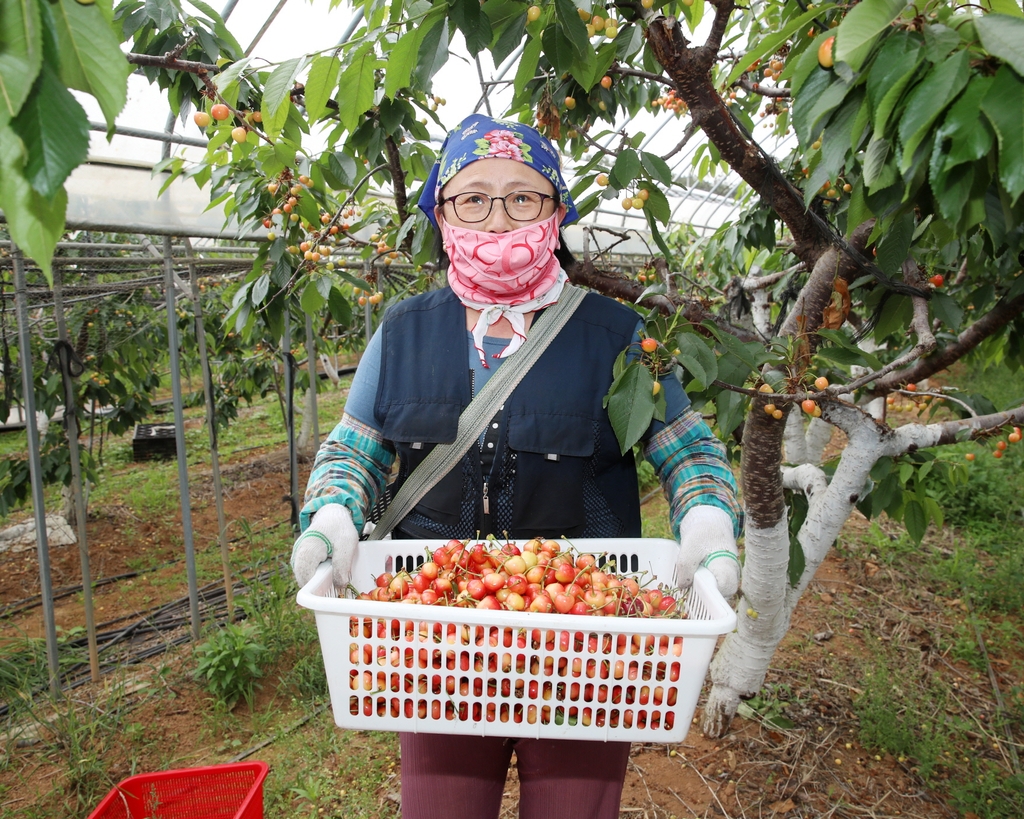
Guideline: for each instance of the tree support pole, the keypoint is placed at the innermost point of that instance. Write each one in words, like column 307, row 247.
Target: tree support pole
column 289, row 421
column 179, row 435
column 64, row 357
column 36, row 470
column 314, row 380
column 211, row 425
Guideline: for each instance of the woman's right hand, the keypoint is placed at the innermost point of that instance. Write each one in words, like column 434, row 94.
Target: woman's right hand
column 330, row 535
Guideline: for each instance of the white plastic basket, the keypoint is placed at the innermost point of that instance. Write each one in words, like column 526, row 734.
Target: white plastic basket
column 439, row 669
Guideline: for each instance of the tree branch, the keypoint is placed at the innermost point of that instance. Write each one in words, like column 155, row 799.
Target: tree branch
column 171, row 63
column 992, row 322
column 397, row 179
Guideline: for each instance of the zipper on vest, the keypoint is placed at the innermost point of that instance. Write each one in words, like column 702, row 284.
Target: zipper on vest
column 486, row 529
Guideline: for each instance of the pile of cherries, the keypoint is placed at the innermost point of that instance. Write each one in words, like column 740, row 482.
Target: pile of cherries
column 539, row 577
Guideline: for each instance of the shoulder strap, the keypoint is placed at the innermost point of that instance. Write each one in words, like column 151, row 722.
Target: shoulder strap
column 480, row 410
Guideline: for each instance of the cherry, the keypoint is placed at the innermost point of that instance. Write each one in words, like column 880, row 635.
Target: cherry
column 825, row 58
column 649, row 345
column 220, row 112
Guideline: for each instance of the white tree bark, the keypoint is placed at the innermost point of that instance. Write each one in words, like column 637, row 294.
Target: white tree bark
column 805, row 444
column 768, row 601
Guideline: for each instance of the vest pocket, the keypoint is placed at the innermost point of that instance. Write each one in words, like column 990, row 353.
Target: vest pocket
column 554, row 451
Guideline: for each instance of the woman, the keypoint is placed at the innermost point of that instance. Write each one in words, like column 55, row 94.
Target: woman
column 547, row 465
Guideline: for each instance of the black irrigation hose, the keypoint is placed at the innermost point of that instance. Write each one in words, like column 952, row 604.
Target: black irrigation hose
column 140, row 634
column 26, row 603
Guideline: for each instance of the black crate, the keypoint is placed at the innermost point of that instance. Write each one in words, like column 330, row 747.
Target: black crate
column 154, row 441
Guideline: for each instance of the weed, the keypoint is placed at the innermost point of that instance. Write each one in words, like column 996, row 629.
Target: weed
column 229, row 663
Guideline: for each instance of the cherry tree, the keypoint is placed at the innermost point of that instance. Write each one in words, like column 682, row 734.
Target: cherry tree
column 880, row 249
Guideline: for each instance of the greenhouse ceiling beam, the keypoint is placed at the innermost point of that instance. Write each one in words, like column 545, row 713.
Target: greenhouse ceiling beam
column 159, row 136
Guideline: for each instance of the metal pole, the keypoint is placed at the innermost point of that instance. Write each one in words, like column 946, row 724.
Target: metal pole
column 314, row 380
column 367, row 308
column 289, row 396
column 77, row 485
column 211, row 424
column 35, row 470
column 179, row 434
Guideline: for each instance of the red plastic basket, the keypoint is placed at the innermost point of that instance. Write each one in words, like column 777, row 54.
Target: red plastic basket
column 232, row 791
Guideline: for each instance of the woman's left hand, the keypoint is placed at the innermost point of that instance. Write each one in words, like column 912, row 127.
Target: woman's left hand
column 706, row 539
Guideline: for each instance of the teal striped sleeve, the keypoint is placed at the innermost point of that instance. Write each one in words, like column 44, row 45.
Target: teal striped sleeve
column 693, row 468
column 352, row 468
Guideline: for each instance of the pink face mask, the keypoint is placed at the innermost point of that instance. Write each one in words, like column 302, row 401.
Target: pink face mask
column 502, row 268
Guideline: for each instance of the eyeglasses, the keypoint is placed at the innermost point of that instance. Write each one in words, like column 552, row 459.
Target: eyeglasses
column 521, row 206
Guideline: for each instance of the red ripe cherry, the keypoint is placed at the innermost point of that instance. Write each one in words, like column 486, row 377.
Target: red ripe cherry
column 442, row 556
column 517, row 584
column 384, row 580
column 579, row 608
column 493, row 581
column 421, row 582
column 220, row 111
column 476, row 588
column 937, row 280
column 649, row 345
column 564, row 603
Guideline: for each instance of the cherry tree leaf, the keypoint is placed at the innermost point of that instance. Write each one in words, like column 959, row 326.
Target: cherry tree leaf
column 91, row 59
column 1003, row 37
column 21, row 53
column 54, row 129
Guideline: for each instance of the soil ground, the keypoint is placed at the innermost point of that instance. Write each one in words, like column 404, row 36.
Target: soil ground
column 800, row 757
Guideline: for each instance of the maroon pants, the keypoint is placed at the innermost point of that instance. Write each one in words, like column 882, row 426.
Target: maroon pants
column 464, row 776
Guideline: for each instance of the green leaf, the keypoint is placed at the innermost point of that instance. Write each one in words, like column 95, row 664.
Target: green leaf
column 311, row 301
column 657, row 167
column 915, row 521
column 894, row 246
column 433, row 54
column 947, row 310
column 34, row 221
column 473, row 23
column 55, row 132
column 771, row 43
column 890, row 74
column 1004, row 107
column 339, row 307
column 928, row 100
column 730, row 407
column 630, row 403
column 558, row 49
column 402, row 58
column 659, row 240
column 21, row 53
column 838, row 338
column 625, row 169
column 939, row 40
column 1003, row 37
column 277, row 95
column 91, row 59
column 657, row 205
column 1004, row 7
column 874, row 161
column 527, row 67
column 320, row 84
column 697, row 358
column 344, row 167
column 798, row 508
column 358, row 81
column 862, row 26
column 572, row 27
column 968, row 134
column 817, row 83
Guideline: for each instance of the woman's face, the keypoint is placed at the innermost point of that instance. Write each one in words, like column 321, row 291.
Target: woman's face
column 497, row 177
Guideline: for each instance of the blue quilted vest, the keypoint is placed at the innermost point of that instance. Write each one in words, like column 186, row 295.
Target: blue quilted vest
column 553, row 467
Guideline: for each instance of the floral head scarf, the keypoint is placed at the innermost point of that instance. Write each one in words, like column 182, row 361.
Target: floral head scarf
column 482, row 137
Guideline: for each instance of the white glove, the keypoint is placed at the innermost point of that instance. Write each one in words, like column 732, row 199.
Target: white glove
column 706, row 539
column 330, row 535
